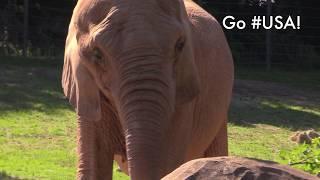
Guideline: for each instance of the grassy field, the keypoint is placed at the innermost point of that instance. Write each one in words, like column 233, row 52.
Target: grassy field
column 37, row 126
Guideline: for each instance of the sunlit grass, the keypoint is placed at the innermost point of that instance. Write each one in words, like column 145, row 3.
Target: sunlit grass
column 313, row 111
column 261, row 126
column 38, row 127
column 259, row 141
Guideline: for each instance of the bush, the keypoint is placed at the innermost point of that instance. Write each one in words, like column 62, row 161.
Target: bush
column 304, row 156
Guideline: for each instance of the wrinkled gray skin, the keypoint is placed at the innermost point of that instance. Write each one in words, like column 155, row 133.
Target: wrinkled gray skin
column 151, row 82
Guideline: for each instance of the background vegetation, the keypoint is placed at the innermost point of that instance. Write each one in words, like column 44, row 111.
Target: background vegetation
column 48, row 21
column 288, row 48
column 304, row 156
column 37, row 125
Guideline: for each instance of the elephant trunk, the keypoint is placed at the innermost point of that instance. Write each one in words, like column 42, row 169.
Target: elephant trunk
column 145, row 105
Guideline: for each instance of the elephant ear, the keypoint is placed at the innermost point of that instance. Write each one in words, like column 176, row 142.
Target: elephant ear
column 188, row 84
column 78, row 85
column 187, row 78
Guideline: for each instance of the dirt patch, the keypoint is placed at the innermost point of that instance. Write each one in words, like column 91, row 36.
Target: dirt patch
column 275, row 91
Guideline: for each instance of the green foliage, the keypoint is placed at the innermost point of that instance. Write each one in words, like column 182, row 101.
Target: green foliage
column 305, row 156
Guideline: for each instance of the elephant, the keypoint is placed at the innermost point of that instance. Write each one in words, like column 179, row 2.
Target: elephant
column 151, row 84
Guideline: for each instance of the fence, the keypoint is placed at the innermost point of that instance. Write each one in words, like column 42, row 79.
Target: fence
column 286, row 48
column 38, row 29
column 33, row 28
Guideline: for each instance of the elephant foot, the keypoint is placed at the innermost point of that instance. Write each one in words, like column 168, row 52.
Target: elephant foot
column 119, row 169
column 85, row 175
column 122, row 164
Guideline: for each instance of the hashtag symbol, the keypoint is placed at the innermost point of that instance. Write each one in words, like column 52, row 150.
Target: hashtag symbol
column 256, row 22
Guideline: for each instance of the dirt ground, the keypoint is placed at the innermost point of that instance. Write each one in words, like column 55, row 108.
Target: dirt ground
column 276, row 91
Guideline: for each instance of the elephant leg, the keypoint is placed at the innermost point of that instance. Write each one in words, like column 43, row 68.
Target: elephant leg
column 219, row 145
column 86, row 150
column 104, row 160
column 95, row 154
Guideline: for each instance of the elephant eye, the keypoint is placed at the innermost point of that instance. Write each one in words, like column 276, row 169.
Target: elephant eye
column 180, row 44
column 97, row 55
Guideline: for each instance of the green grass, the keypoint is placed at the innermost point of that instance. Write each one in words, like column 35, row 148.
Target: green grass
column 37, row 126
column 37, row 137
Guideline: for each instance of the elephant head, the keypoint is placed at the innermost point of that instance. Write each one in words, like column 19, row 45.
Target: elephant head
column 138, row 54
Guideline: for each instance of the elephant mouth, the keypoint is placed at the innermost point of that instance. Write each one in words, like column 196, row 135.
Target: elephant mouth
column 111, row 129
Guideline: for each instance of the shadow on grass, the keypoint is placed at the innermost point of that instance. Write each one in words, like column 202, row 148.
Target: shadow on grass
column 31, row 88
column 275, row 113
column 24, row 88
column 5, row 176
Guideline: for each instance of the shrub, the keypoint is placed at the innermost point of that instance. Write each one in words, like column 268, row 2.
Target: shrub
column 304, row 156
